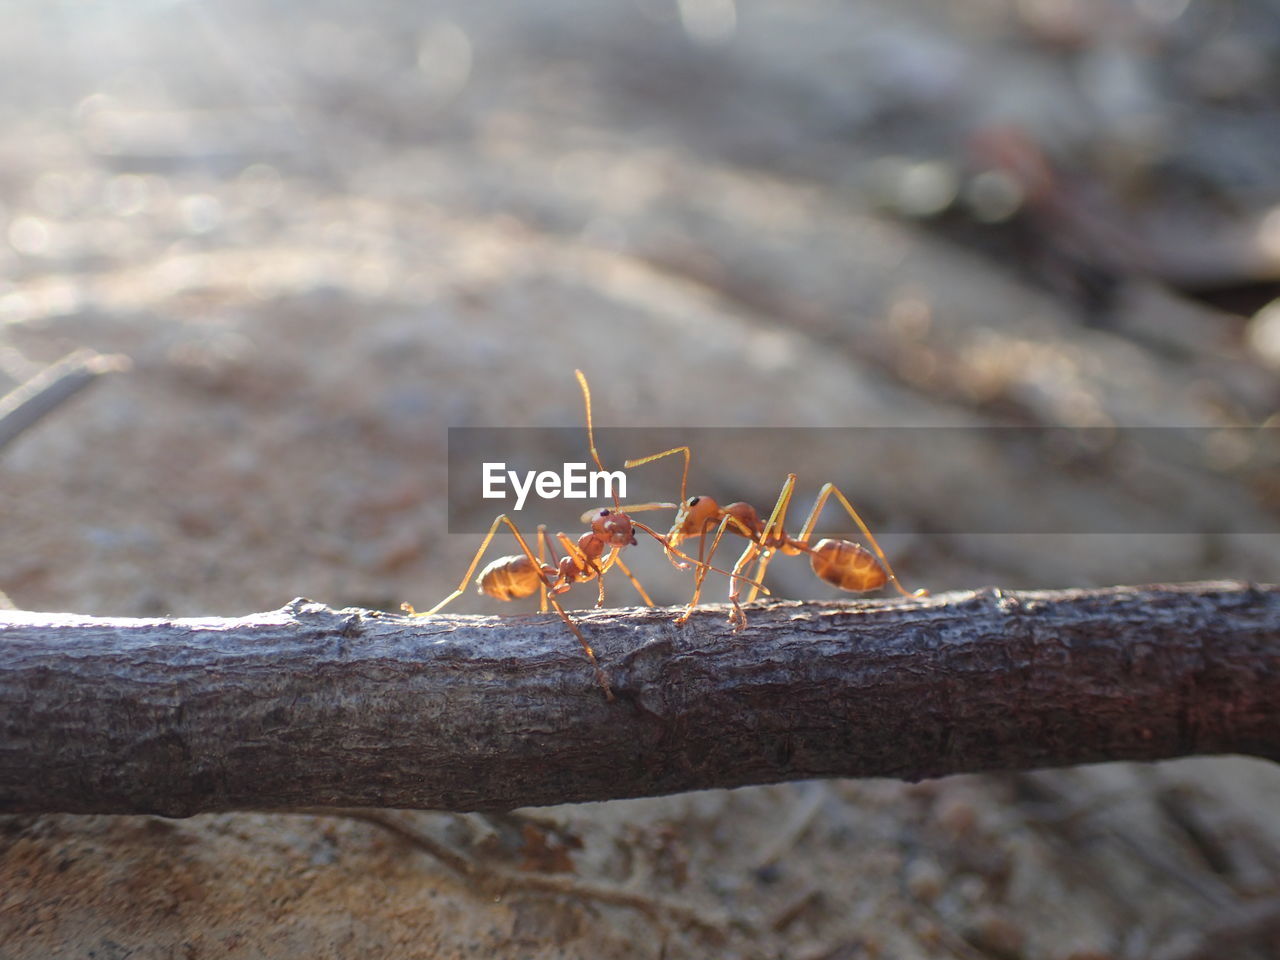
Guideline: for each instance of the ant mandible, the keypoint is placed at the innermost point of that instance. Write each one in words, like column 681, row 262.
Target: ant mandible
column 519, row 575
column 845, row 564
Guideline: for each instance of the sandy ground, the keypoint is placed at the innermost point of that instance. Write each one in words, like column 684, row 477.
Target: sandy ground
column 322, row 238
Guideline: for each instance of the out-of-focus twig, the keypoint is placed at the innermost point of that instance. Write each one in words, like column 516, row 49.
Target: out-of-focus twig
column 53, row 386
column 498, row 882
column 1235, row 929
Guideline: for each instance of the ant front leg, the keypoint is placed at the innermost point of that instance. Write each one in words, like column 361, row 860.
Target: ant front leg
column 684, row 476
column 684, row 481
column 600, row 570
column 703, row 566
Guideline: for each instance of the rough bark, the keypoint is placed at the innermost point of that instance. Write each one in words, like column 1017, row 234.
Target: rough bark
column 307, row 706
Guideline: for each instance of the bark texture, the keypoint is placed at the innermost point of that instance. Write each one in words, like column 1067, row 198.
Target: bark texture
column 308, row 706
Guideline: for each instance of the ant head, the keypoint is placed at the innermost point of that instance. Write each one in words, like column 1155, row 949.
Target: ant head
column 694, row 517
column 613, row 527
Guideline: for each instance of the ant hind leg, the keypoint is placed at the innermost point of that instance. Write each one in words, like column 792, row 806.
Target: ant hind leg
column 524, row 546
column 760, row 548
column 812, row 520
column 475, row 562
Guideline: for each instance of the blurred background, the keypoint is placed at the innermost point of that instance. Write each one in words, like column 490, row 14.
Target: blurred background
column 325, row 233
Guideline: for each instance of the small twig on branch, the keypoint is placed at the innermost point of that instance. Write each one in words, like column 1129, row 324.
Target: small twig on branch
column 308, row 706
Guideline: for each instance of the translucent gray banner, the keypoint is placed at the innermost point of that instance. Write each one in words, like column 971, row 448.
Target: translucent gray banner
column 1005, row 480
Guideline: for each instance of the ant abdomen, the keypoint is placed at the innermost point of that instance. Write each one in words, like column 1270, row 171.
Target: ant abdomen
column 509, row 578
column 847, row 565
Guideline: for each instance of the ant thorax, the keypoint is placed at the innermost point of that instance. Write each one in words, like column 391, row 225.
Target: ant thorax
column 747, row 516
column 591, row 546
column 699, row 516
column 613, row 528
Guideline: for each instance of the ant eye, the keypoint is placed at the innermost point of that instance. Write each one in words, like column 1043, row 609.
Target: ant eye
column 604, row 513
column 693, row 501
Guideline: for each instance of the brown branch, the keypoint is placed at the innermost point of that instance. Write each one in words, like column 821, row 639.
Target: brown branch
column 308, row 706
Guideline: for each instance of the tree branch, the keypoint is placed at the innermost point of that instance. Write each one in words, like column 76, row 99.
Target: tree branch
column 308, row 706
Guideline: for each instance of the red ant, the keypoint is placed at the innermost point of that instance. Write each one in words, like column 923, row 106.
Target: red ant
column 843, row 563
column 519, row 575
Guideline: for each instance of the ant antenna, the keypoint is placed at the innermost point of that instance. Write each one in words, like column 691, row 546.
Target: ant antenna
column 591, row 435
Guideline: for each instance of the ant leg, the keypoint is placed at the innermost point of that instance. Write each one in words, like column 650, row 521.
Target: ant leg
column 634, row 582
column 703, row 566
column 571, row 549
column 542, row 549
column 586, row 648
column 551, row 548
column 827, row 490
column 730, row 521
column 779, row 515
column 759, row 548
column 524, row 546
column 684, row 482
column 475, row 562
column 600, row 569
column 738, row 619
column 591, row 433
column 684, row 477
column 684, row 556
column 583, row 562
